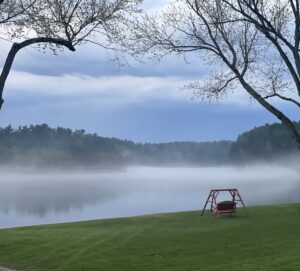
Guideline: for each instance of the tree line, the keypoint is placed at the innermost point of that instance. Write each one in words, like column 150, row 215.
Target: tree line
column 40, row 145
column 267, row 142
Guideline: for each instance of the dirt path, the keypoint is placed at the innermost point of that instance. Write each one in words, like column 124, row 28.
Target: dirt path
column 6, row 269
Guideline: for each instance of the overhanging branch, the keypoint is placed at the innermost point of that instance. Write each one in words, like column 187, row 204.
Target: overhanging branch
column 56, row 41
column 283, row 98
column 18, row 46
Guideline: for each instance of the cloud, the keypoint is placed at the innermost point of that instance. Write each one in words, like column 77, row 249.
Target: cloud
column 108, row 90
column 94, row 61
column 154, row 121
column 78, row 85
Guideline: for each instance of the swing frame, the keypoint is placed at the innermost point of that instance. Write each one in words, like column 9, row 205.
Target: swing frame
column 224, row 207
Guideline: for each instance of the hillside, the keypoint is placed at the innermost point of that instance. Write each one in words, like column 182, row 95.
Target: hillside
column 264, row 142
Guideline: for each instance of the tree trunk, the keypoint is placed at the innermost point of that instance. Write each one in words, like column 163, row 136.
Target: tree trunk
column 6, row 69
column 281, row 116
column 18, row 46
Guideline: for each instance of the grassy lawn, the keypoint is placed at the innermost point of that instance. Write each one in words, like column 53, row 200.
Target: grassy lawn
column 267, row 240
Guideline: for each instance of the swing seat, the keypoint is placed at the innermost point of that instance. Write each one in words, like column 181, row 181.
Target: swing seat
column 226, row 207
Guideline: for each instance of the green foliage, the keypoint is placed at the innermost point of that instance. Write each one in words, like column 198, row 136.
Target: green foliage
column 42, row 145
column 267, row 240
column 268, row 141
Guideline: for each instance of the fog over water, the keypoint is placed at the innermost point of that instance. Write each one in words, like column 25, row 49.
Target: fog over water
column 29, row 198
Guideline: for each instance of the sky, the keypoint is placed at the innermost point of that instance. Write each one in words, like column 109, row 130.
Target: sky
column 143, row 102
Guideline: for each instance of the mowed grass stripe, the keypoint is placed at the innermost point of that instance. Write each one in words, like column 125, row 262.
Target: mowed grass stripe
column 269, row 239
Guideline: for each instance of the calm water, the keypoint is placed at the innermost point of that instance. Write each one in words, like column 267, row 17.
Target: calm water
column 28, row 198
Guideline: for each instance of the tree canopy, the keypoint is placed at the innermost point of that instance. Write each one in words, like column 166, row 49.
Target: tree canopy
column 59, row 24
column 250, row 45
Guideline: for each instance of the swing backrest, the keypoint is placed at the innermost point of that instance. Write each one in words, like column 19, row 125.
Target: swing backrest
column 226, row 206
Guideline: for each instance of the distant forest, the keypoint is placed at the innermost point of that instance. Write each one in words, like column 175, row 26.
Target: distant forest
column 40, row 145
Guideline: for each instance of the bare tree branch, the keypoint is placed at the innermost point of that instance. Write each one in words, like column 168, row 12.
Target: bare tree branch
column 283, row 98
column 18, row 46
column 253, row 12
column 237, row 39
column 63, row 24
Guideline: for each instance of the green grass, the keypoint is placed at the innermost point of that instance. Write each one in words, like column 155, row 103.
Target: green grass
column 269, row 239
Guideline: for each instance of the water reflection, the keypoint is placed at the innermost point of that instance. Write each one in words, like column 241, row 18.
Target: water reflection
column 28, row 198
column 39, row 194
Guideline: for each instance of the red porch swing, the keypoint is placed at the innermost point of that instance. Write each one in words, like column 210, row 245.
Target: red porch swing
column 223, row 207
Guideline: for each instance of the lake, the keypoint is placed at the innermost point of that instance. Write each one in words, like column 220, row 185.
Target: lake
column 31, row 198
